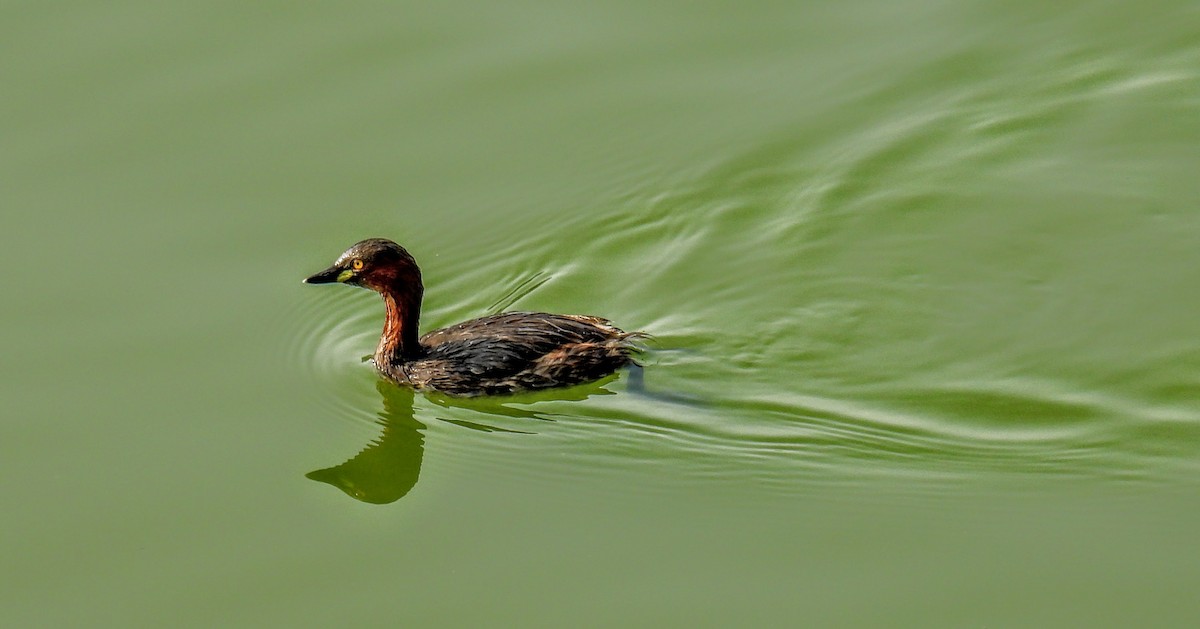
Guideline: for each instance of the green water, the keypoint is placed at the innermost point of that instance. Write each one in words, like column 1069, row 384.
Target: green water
column 922, row 279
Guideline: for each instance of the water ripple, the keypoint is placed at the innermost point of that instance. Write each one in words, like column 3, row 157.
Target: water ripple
column 827, row 307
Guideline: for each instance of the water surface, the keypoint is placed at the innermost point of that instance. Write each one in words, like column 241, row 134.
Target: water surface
column 921, row 279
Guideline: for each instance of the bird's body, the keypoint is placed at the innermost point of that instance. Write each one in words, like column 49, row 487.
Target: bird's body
column 496, row 354
column 514, row 351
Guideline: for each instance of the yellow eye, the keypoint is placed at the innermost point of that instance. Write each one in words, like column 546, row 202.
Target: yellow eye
column 357, row 264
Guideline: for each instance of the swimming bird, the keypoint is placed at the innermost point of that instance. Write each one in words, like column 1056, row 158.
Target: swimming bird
column 497, row 354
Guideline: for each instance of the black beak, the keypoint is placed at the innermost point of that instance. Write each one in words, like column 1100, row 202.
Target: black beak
column 328, row 276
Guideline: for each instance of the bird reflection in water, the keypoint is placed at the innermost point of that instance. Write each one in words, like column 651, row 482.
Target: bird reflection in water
column 388, row 467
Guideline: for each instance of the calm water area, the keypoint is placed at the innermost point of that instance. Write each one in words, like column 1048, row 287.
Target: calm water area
column 922, row 279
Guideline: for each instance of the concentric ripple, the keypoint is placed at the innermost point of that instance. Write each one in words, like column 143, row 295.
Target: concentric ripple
column 331, row 332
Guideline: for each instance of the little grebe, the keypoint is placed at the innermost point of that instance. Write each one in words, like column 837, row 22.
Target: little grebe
column 502, row 353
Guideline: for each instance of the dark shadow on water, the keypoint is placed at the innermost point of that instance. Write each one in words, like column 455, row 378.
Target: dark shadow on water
column 637, row 386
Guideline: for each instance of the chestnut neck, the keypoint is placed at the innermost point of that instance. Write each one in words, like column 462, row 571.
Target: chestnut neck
column 402, row 303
